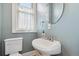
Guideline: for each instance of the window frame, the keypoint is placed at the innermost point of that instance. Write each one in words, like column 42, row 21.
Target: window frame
column 14, row 19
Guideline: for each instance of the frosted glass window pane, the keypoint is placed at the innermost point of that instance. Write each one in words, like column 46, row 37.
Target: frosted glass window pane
column 21, row 21
column 29, row 20
column 25, row 21
column 25, row 5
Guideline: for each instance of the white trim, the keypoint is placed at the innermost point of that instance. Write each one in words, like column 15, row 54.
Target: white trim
column 14, row 18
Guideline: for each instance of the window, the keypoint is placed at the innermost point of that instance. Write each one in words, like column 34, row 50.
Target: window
column 23, row 17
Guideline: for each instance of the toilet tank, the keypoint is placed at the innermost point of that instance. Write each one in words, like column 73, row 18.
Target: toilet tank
column 13, row 45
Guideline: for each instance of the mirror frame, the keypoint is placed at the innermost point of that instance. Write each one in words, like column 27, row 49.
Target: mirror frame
column 50, row 14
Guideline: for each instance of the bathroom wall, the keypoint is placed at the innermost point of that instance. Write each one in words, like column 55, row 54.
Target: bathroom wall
column 0, row 29
column 67, row 30
column 7, row 29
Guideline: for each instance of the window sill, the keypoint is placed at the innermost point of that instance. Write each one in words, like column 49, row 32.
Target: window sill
column 24, row 32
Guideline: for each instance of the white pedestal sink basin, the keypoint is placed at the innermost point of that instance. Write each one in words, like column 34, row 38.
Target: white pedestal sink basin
column 47, row 47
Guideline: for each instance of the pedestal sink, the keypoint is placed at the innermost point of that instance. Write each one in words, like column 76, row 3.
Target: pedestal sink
column 47, row 47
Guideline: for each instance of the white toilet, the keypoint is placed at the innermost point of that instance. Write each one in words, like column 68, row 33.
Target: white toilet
column 13, row 46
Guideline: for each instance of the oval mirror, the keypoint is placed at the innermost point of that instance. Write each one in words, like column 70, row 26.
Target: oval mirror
column 56, row 12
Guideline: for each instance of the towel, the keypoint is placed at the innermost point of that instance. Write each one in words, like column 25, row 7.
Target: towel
column 35, row 53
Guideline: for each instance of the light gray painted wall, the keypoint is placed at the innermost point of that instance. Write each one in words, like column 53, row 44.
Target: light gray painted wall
column 67, row 30
column 7, row 29
column 0, row 27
